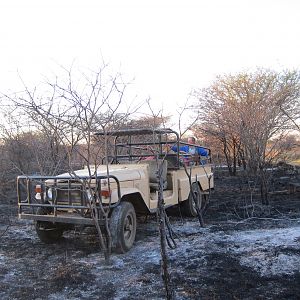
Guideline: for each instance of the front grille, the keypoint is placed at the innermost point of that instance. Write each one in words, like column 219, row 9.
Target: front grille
column 70, row 197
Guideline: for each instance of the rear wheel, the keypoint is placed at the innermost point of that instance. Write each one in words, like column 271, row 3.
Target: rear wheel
column 47, row 232
column 189, row 205
column 123, row 227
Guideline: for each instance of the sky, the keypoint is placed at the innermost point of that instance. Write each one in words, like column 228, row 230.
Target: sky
column 165, row 48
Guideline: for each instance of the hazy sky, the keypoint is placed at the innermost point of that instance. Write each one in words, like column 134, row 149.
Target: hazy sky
column 169, row 47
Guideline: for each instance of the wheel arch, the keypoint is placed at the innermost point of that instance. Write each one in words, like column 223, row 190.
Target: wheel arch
column 137, row 201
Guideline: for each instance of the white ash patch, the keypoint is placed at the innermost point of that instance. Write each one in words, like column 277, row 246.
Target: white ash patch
column 260, row 250
column 268, row 237
column 267, row 265
column 2, row 258
column 269, row 252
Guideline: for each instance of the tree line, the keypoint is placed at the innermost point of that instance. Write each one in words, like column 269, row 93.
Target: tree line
column 246, row 116
column 250, row 115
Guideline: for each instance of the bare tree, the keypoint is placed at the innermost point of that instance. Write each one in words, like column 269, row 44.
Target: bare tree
column 26, row 148
column 166, row 234
column 244, row 111
column 74, row 109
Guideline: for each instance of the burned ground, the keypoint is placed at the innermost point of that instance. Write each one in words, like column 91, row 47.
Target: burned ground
column 245, row 251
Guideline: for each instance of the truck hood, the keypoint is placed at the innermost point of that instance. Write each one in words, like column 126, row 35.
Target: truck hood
column 122, row 172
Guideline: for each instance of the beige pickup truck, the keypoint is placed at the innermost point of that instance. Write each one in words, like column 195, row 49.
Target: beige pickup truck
column 141, row 167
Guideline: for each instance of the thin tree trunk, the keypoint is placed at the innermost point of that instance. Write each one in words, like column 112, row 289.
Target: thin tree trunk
column 163, row 244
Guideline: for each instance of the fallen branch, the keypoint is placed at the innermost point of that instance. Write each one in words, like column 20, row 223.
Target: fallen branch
column 5, row 230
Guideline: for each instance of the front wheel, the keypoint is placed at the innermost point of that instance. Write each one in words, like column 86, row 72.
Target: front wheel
column 189, row 205
column 122, row 226
column 47, row 232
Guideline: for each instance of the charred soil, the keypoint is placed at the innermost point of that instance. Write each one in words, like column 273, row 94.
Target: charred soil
column 245, row 251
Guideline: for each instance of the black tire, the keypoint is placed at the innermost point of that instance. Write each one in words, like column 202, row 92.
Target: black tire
column 122, row 226
column 189, row 206
column 47, row 232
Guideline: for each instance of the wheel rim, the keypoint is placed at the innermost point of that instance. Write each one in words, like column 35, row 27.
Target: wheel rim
column 128, row 227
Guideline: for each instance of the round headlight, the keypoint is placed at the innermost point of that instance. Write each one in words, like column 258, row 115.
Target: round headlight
column 50, row 194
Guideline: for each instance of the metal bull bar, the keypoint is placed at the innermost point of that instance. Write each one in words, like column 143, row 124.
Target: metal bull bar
column 70, row 201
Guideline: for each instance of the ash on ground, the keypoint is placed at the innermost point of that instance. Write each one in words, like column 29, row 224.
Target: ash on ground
column 245, row 251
